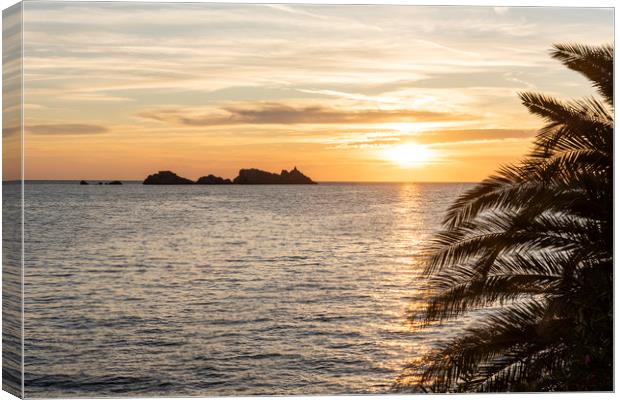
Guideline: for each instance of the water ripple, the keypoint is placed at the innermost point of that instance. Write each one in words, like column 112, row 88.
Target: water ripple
column 145, row 291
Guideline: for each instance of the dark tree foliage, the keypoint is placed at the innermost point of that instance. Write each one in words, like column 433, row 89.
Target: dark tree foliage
column 526, row 256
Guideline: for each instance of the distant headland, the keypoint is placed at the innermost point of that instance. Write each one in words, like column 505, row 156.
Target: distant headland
column 250, row 176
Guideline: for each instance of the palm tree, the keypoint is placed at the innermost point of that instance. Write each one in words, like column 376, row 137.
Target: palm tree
column 526, row 256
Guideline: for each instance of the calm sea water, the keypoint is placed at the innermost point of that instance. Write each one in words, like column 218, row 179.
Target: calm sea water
column 223, row 290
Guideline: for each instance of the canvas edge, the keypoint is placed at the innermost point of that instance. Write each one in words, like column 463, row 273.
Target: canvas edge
column 12, row 201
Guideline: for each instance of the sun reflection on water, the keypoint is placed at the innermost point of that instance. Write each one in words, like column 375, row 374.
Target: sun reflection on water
column 226, row 290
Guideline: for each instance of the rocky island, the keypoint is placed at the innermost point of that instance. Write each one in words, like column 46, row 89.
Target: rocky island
column 212, row 180
column 166, row 178
column 250, row 176
column 255, row 176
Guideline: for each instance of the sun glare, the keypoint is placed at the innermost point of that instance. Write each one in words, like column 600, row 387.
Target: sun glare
column 408, row 154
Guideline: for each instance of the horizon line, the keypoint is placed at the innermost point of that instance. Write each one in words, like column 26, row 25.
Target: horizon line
column 141, row 180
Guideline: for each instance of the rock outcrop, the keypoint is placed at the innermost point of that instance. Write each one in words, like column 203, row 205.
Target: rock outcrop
column 166, row 178
column 83, row 183
column 212, row 180
column 255, row 176
column 250, row 176
column 115, row 183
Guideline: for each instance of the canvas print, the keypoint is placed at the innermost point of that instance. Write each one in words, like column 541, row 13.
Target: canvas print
column 205, row 199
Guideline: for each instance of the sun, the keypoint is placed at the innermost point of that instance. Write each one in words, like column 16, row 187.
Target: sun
column 408, row 154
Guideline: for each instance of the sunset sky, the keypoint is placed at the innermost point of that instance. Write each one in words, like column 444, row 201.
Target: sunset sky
column 345, row 93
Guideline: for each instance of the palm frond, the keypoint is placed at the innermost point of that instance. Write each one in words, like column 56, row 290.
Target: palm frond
column 594, row 62
column 528, row 253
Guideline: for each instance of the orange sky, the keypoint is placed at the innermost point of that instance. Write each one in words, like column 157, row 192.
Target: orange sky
column 345, row 93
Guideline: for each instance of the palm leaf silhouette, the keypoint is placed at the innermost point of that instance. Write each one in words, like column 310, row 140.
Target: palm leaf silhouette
column 525, row 257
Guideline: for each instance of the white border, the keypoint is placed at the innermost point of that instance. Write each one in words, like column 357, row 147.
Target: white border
column 504, row 3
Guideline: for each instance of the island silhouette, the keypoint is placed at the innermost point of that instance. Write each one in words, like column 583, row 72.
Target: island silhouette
column 82, row 182
column 251, row 176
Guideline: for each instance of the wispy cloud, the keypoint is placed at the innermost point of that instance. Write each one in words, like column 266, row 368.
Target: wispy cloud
column 473, row 135
column 278, row 113
column 435, row 138
column 145, row 77
column 66, row 129
column 10, row 131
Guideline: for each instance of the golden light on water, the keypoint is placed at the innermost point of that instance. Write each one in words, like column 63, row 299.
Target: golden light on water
column 409, row 154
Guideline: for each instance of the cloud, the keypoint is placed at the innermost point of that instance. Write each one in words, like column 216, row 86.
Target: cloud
column 10, row 131
column 462, row 136
column 363, row 140
column 278, row 113
column 66, row 129
column 434, row 138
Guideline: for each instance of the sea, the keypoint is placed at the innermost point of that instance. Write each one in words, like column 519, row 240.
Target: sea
column 136, row 290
